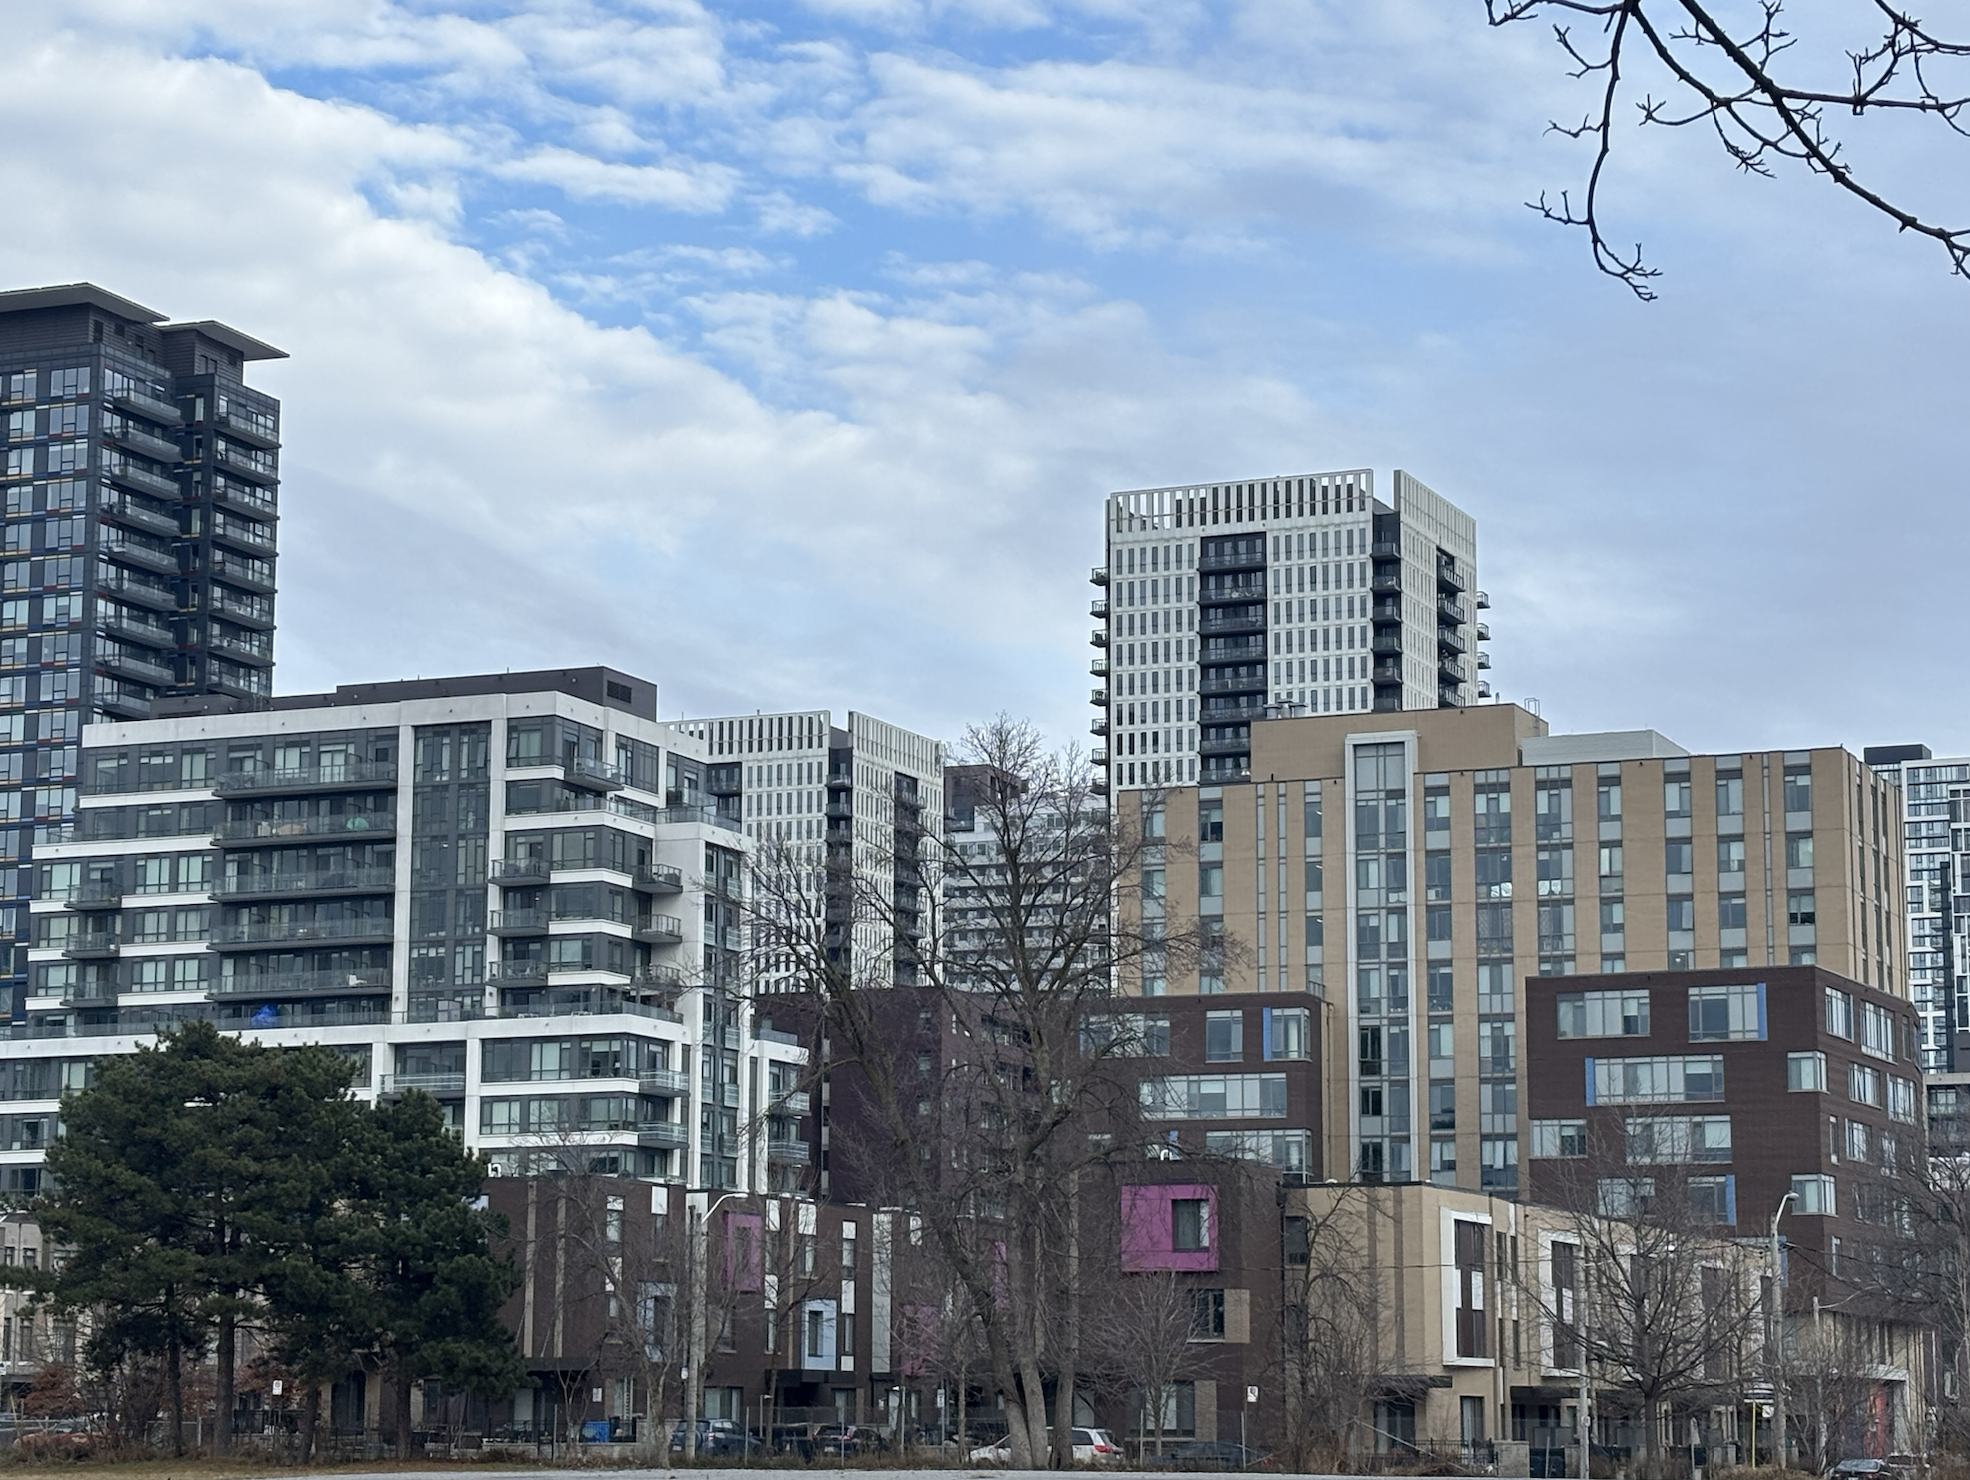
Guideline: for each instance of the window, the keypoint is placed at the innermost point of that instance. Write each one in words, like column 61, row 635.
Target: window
column 1901, row 1099
column 1682, row 914
column 1468, row 1240
column 1210, row 881
column 1877, row 1031
column 1214, row 1097
column 1863, row 1085
column 1799, row 850
column 1730, row 912
column 1805, row 1073
column 1288, row 1032
column 1839, row 1014
column 1799, row 909
column 1190, row 1224
column 1608, row 801
column 1224, row 1037
column 1727, row 1014
column 1798, row 791
column 1207, row 1315
column 1657, row 1139
column 1730, row 860
column 1676, row 797
column 1695, row 1077
column 1812, row 1195
column 1713, row 1199
column 1624, row 1197
column 1857, row 1142
column 1210, row 822
column 1559, row 1138
column 1730, row 797
column 1604, row 1014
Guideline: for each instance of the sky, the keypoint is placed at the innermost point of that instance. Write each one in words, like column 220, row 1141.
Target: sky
column 784, row 353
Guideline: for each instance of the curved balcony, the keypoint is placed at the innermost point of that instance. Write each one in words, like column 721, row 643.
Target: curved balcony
column 1481, row 600
column 1099, row 575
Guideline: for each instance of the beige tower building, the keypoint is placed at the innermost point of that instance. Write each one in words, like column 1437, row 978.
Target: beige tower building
column 1405, row 871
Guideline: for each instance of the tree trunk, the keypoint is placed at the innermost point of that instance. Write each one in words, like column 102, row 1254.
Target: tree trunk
column 174, row 1375
column 400, row 1383
column 222, row 1426
column 1070, row 1333
column 310, row 1402
column 1033, row 1410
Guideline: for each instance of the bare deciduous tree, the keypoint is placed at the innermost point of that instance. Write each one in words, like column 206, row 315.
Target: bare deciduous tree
column 1768, row 100
column 1330, row 1309
column 1141, row 1340
column 992, row 1161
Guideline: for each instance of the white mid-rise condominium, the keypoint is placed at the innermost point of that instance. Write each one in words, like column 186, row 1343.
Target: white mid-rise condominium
column 509, row 891
column 1935, row 850
column 850, row 803
column 1300, row 595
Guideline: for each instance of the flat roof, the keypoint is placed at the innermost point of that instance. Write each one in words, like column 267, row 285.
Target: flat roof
column 68, row 295
column 243, row 345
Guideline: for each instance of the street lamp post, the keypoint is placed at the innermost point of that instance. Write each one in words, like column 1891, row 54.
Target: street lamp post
column 698, row 1252
column 1777, row 1349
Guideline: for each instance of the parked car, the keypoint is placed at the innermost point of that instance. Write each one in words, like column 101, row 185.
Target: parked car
column 844, row 1440
column 1091, row 1447
column 1895, row 1467
column 715, row 1436
column 1208, row 1454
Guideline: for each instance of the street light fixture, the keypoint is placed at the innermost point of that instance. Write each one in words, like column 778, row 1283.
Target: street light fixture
column 1777, row 1347
column 698, row 1252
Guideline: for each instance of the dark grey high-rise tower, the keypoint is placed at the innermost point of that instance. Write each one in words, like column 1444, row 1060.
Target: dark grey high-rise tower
column 141, row 476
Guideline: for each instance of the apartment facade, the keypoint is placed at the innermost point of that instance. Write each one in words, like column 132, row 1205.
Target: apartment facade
column 142, row 478
column 1404, row 872
column 1225, row 602
column 489, row 888
column 841, row 806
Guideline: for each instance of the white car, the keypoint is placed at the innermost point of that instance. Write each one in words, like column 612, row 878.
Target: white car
column 1091, row 1447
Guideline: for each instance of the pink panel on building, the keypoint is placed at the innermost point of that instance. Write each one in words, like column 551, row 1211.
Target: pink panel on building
column 1149, row 1227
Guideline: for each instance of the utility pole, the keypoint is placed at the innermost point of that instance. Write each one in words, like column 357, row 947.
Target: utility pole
column 1776, row 1354
column 1585, row 1423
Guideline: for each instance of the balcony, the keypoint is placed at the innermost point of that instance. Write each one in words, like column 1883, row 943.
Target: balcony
column 1387, row 581
column 1450, row 640
column 272, row 831
column 1098, row 756
column 438, row 1086
column 142, row 671
column 1228, row 622
column 521, row 871
column 1099, row 786
column 94, row 894
column 132, row 627
column 303, row 780
column 1483, row 689
column 244, row 498
column 1227, row 560
column 661, row 930
column 707, row 816
column 1481, row 600
column 1216, row 683
column 1389, row 670
column 256, row 431
column 1242, row 745
column 1242, row 594
column 517, row 922
column 1098, row 696
column 322, row 882
column 136, row 439
column 672, row 1083
column 658, row 878
column 119, row 546
column 139, row 400
column 367, row 981
column 788, row 1153
column 1448, row 577
column 1386, row 550
column 1099, row 667
column 123, row 471
column 256, row 654
column 1098, row 725
column 93, row 945
column 129, row 586
column 1450, row 670
column 794, row 1102
column 581, row 1002
column 1388, row 611
column 1484, row 632
column 593, row 775
column 1452, row 610
column 1098, row 637
column 1099, row 608
column 121, row 699
column 1386, row 642
column 1098, row 576
column 1483, row 660
column 126, row 510
column 254, row 611
column 254, row 575
column 255, row 538
column 240, row 460
column 245, row 935
column 840, row 809
column 661, row 1134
